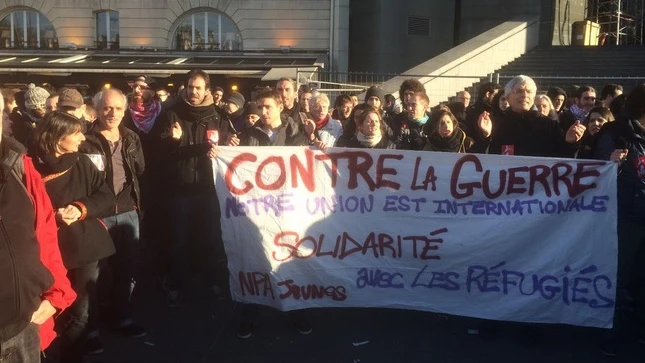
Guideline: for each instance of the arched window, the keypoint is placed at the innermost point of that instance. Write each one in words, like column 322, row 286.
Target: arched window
column 107, row 29
column 206, row 30
column 27, row 29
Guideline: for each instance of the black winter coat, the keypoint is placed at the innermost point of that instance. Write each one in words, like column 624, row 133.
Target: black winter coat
column 528, row 134
column 132, row 153
column 190, row 170
column 626, row 134
column 288, row 135
column 73, row 179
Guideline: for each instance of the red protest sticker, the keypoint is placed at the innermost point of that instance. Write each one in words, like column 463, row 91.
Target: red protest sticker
column 212, row 136
column 508, row 149
column 639, row 163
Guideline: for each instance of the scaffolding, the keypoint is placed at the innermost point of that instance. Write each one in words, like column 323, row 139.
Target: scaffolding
column 621, row 21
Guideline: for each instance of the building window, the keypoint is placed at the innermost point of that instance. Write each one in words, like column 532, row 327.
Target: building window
column 207, row 31
column 107, row 29
column 27, row 29
column 418, row 26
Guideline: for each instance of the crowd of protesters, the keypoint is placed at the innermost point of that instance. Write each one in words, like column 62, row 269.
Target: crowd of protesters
column 83, row 181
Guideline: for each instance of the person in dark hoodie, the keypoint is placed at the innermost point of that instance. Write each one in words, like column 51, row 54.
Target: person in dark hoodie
column 487, row 92
column 375, row 96
column 523, row 131
column 233, row 111
column 193, row 125
column 80, row 198
column 559, row 99
column 623, row 141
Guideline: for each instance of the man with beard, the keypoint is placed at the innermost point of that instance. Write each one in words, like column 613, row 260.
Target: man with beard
column 342, row 109
column 583, row 101
column 24, row 124
column 487, row 92
column 142, row 116
column 287, row 89
column 193, row 125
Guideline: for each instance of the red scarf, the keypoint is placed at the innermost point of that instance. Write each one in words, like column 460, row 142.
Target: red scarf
column 145, row 115
column 322, row 123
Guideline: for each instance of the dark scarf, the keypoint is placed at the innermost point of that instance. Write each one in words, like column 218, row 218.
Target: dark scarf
column 144, row 115
column 453, row 143
column 49, row 164
column 208, row 99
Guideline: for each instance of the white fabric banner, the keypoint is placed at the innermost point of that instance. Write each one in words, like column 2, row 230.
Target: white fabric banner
column 487, row 236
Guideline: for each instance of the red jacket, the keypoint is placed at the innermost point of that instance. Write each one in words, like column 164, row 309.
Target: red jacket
column 60, row 294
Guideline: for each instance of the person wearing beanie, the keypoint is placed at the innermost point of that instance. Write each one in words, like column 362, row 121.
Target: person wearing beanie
column 234, row 110
column 559, row 99
column 252, row 114
column 375, row 97
column 24, row 124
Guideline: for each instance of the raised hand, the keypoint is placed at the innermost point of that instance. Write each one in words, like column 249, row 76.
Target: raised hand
column 575, row 132
column 485, row 124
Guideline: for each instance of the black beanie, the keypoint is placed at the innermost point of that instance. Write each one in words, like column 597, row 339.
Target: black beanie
column 375, row 92
column 252, row 109
column 235, row 98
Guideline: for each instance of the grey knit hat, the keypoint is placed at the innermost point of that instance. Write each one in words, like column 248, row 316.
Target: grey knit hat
column 235, row 98
column 35, row 97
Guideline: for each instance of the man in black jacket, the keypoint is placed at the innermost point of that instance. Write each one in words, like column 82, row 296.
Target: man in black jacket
column 117, row 151
column 522, row 131
column 487, row 92
column 193, row 126
column 287, row 89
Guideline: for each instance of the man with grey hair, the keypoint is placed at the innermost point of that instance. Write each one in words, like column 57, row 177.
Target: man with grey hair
column 116, row 150
column 523, row 131
column 321, row 128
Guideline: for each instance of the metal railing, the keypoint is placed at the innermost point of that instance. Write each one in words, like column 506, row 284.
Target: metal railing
column 354, row 83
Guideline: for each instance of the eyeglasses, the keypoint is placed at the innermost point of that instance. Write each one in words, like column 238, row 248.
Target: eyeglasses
column 588, row 98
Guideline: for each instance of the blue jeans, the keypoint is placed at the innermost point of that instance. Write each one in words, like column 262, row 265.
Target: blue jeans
column 197, row 241
column 23, row 348
column 124, row 230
